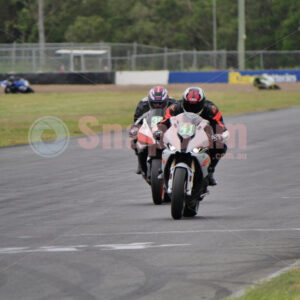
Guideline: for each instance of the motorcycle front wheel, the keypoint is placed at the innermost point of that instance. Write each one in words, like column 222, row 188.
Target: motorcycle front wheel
column 156, row 184
column 178, row 193
column 7, row 90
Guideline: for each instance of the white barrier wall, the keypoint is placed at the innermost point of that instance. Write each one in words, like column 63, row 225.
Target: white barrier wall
column 142, row 77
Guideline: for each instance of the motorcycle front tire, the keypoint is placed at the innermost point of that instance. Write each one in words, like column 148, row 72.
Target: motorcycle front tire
column 178, row 193
column 156, row 184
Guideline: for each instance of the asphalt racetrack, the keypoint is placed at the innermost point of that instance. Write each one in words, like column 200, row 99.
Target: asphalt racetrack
column 83, row 226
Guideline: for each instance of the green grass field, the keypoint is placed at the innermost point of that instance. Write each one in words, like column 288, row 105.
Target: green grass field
column 18, row 112
column 284, row 287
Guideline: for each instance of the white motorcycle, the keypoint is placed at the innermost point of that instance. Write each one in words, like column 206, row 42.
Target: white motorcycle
column 185, row 163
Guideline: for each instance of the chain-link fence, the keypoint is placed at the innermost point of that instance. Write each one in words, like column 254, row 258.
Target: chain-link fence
column 27, row 58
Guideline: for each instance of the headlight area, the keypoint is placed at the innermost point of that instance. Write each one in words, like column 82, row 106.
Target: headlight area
column 171, row 147
column 196, row 150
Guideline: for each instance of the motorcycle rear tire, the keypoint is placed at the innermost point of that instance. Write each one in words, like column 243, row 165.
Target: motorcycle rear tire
column 178, row 193
column 156, row 184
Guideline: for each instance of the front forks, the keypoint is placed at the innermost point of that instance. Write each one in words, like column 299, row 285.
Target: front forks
column 190, row 171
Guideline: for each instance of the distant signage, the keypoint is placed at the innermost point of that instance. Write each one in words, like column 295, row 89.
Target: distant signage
column 235, row 77
column 238, row 78
column 246, row 77
column 285, row 77
column 199, row 77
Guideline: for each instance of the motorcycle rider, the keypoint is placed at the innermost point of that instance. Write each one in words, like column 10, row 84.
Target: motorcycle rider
column 265, row 81
column 17, row 85
column 158, row 97
column 11, row 79
column 194, row 101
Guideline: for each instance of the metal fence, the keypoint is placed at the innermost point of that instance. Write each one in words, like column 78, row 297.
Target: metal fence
column 27, row 58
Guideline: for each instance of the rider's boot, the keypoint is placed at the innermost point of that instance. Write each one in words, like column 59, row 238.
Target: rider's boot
column 138, row 170
column 211, row 180
column 214, row 161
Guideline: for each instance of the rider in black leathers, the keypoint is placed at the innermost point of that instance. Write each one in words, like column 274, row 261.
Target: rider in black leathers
column 194, row 101
column 157, row 97
column 143, row 106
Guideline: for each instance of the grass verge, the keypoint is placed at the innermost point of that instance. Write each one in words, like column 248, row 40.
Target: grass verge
column 283, row 287
column 18, row 112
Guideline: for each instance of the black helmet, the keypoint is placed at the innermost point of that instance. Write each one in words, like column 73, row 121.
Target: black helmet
column 193, row 100
column 158, row 97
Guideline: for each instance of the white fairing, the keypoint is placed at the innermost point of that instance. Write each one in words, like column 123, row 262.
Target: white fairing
column 267, row 80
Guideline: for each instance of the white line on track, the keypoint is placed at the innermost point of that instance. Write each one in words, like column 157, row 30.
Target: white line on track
column 185, row 232
column 76, row 248
column 134, row 246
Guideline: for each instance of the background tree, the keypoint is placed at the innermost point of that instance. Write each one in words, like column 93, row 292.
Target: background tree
column 88, row 29
column 181, row 24
column 287, row 34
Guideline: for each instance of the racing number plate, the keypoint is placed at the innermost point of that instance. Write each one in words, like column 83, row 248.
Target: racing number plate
column 155, row 120
column 186, row 129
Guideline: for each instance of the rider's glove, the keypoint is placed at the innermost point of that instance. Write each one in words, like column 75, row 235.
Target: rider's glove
column 217, row 138
column 133, row 131
column 157, row 135
column 223, row 137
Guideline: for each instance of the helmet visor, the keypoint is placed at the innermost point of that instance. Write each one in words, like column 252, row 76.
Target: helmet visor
column 194, row 107
column 157, row 104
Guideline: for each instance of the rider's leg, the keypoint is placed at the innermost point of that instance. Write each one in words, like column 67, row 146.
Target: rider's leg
column 138, row 170
column 142, row 158
column 215, row 154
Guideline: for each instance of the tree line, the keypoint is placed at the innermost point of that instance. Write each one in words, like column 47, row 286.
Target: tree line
column 180, row 24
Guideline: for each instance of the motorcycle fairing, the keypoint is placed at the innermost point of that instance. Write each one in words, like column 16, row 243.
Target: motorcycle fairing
column 145, row 135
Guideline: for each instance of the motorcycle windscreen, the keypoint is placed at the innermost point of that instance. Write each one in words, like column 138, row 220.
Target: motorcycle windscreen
column 155, row 115
column 187, row 132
